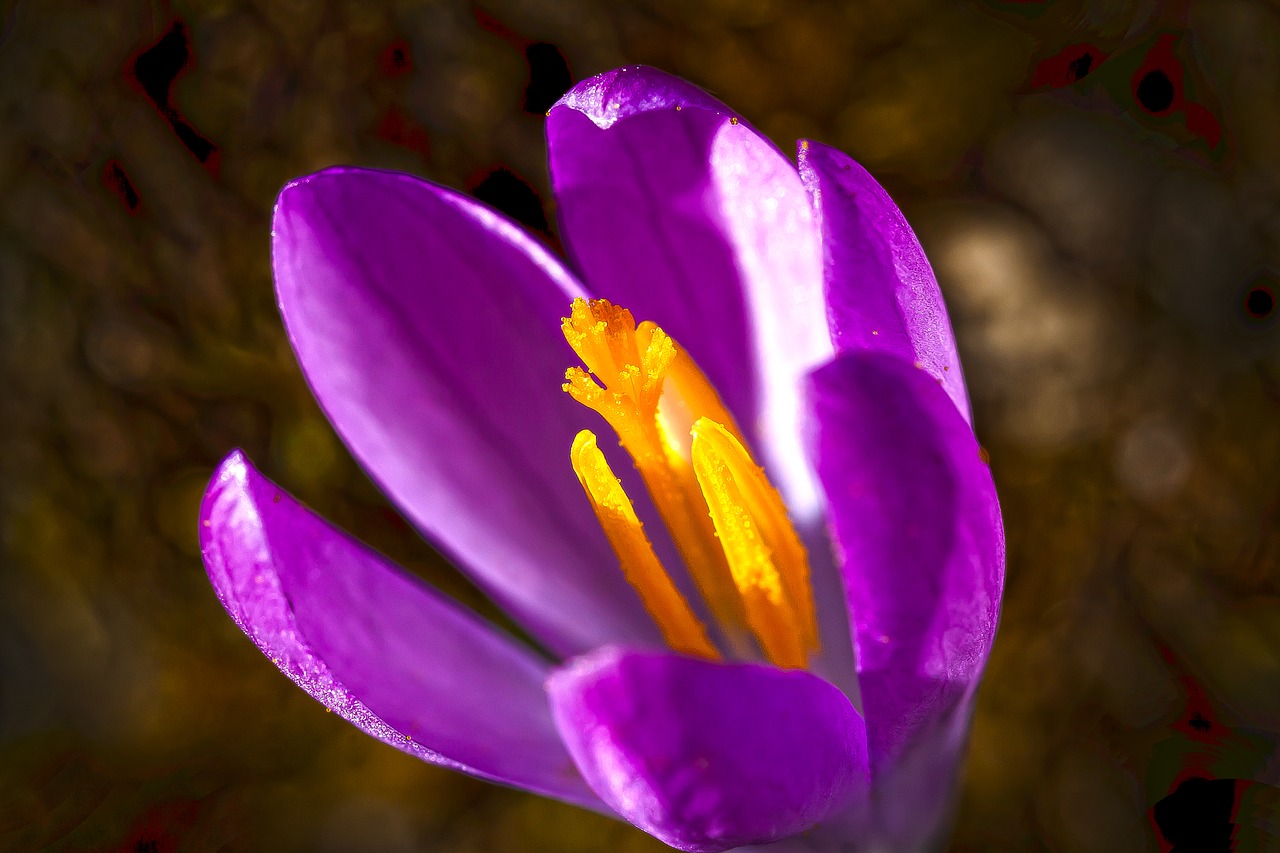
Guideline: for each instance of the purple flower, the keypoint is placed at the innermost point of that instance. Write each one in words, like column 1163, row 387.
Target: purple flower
column 829, row 650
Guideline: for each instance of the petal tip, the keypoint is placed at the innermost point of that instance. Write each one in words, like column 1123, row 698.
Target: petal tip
column 230, row 510
column 230, row 481
column 298, row 186
column 232, row 471
column 300, row 195
column 630, row 90
column 234, row 464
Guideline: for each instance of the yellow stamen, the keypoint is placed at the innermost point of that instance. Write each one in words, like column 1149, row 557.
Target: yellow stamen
column 633, row 367
column 763, row 548
column 681, row 629
column 730, row 525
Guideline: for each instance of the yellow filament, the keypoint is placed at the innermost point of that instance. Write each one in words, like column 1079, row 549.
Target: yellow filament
column 681, row 629
column 730, row 525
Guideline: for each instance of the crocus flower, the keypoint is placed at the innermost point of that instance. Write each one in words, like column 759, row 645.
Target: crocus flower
column 769, row 628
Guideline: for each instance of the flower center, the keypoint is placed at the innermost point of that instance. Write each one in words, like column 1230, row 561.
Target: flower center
column 728, row 522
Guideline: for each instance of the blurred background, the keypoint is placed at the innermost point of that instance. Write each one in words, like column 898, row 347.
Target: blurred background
column 1097, row 183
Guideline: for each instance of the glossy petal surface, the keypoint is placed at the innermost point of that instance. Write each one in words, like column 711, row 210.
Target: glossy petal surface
column 376, row 646
column 707, row 756
column 428, row 327
column 914, row 513
column 881, row 291
column 675, row 208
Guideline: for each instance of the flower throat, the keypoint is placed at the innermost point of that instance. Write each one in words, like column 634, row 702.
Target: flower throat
column 728, row 522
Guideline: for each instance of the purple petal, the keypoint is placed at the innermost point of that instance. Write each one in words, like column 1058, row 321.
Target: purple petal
column 913, row 510
column 429, row 329
column 377, row 646
column 676, row 209
column 707, row 756
column 881, row 291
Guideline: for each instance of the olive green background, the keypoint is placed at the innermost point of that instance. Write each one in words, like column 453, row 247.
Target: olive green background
column 1097, row 261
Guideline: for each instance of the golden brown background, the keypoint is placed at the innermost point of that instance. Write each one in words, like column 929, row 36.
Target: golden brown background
column 1107, row 270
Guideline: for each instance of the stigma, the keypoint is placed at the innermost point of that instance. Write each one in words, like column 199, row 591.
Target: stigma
column 727, row 521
